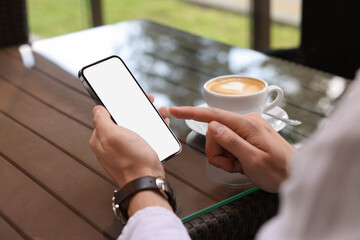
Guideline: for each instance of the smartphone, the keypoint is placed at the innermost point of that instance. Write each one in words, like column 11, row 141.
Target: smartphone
column 110, row 83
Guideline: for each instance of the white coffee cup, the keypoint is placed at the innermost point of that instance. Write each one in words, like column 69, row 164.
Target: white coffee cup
column 241, row 94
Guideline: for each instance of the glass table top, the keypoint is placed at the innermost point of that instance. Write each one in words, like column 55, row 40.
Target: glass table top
column 174, row 65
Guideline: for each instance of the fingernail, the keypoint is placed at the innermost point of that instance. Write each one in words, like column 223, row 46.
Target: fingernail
column 216, row 128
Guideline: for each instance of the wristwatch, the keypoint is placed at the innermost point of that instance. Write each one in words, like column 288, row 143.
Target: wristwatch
column 121, row 196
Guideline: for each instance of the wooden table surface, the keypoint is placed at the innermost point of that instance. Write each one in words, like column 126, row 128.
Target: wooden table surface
column 52, row 186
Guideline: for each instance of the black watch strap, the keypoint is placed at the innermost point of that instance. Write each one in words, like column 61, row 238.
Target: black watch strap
column 121, row 196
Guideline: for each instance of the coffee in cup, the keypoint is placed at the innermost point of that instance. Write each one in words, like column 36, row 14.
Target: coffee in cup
column 241, row 94
column 236, row 86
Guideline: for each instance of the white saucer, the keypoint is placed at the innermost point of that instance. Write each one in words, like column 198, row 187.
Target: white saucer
column 201, row 127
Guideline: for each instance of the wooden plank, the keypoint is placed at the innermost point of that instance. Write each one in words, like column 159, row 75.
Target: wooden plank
column 71, row 182
column 37, row 213
column 44, row 88
column 188, row 200
column 7, row 232
column 47, row 67
column 51, row 125
column 60, row 130
column 59, row 174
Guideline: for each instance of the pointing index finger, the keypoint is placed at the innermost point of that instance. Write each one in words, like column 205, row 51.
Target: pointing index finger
column 206, row 115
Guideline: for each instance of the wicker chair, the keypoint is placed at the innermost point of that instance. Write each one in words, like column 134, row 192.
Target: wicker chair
column 13, row 23
column 240, row 219
column 330, row 37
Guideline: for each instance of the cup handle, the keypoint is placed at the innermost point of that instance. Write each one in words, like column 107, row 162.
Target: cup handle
column 277, row 100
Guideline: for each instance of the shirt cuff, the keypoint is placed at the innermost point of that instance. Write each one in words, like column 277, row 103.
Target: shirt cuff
column 154, row 223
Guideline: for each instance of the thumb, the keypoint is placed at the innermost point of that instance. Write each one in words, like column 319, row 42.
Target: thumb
column 231, row 141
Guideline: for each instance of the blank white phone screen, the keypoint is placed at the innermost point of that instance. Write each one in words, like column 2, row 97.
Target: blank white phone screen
column 129, row 106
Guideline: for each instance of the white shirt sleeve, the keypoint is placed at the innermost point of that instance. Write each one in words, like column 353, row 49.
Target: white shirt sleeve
column 321, row 198
column 152, row 223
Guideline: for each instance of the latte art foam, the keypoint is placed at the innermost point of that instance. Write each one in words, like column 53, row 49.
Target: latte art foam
column 236, row 86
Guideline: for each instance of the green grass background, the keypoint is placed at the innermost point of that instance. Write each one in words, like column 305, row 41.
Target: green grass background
column 49, row 18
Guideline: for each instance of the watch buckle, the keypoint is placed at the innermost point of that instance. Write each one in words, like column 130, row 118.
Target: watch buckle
column 160, row 183
column 116, row 209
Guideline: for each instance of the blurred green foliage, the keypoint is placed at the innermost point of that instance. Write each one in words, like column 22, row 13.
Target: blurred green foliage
column 50, row 18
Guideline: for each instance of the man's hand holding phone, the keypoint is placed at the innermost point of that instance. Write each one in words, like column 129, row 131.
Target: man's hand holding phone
column 123, row 153
column 111, row 84
column 126, row 156
column 131, row 139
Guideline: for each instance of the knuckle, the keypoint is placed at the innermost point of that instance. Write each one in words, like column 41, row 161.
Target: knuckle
column 261, row 161
column 249, row 122
column 233, row 142
column 91, row 143
column 254, row 120
column 213, row 112
column 111, row 140
column 95, row 120
column 254, row 115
